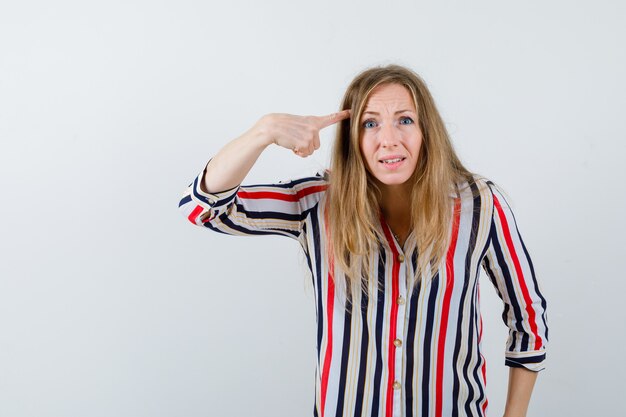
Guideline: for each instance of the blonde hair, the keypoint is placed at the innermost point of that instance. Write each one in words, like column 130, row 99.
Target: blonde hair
column 353, row 197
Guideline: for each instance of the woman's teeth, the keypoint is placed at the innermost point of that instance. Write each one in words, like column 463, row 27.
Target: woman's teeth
column 391, row 161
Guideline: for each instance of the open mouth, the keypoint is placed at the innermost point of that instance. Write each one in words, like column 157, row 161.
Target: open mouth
column 392, row 160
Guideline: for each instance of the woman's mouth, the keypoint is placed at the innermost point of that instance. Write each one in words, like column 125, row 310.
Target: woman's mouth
column 392, row 162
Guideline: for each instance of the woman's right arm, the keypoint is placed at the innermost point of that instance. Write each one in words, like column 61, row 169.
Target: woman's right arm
column 233, row 162
column 215, row 199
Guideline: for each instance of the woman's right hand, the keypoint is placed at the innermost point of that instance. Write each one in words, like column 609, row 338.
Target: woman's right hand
column 299, row 134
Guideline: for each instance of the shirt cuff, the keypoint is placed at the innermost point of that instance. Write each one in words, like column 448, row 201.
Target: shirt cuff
column 533, row 360
column 210, row 201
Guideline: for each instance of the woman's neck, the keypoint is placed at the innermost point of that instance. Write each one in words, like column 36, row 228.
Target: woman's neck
column 395, row 204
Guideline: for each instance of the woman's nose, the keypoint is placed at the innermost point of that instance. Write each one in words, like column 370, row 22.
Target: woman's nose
column 389, row 135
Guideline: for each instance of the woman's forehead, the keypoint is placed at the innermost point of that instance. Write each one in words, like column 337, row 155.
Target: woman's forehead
column 388, row 97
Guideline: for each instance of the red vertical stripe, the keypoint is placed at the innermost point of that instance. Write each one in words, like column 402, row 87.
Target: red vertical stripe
column 329, row 344
column 443, row 328
column 520, row 275
column 483, row 368
column 330, row 302
column 194, row 214
column 394, row 318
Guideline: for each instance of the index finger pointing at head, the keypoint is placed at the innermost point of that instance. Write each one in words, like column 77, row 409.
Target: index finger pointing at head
column 331, row 119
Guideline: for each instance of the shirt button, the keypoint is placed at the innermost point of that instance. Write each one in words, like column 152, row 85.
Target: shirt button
column 396, row 385
column 397, row 342
column 400, row 258
column 400, row 300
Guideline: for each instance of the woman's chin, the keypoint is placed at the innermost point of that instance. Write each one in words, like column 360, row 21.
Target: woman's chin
column 392, row 180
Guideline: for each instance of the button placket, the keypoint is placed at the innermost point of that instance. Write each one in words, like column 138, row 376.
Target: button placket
column 400, row 334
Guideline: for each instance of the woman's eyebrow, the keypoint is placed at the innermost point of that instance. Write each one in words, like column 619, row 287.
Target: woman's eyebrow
column 378, row 114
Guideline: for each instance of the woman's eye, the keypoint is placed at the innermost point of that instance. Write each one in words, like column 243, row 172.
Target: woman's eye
column 406, row 121
column 368, row 124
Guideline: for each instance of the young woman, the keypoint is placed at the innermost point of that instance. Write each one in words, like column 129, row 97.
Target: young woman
column 394, row 234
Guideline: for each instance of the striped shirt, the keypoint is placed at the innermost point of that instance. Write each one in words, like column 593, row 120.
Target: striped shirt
column 399, row 349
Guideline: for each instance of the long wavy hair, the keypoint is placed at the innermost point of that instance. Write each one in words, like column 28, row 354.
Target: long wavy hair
column 353, row 203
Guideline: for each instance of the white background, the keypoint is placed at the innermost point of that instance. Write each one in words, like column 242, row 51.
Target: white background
column 112, row 304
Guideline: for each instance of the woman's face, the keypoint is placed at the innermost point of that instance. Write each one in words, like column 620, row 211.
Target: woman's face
column 390, row 134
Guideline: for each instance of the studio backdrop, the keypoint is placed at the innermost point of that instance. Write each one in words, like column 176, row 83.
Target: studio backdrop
column 113, row 304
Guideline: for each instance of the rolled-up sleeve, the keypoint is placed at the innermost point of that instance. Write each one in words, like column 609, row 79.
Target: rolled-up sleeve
column 200, row 207
column 509, row 266
column 265, row 209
